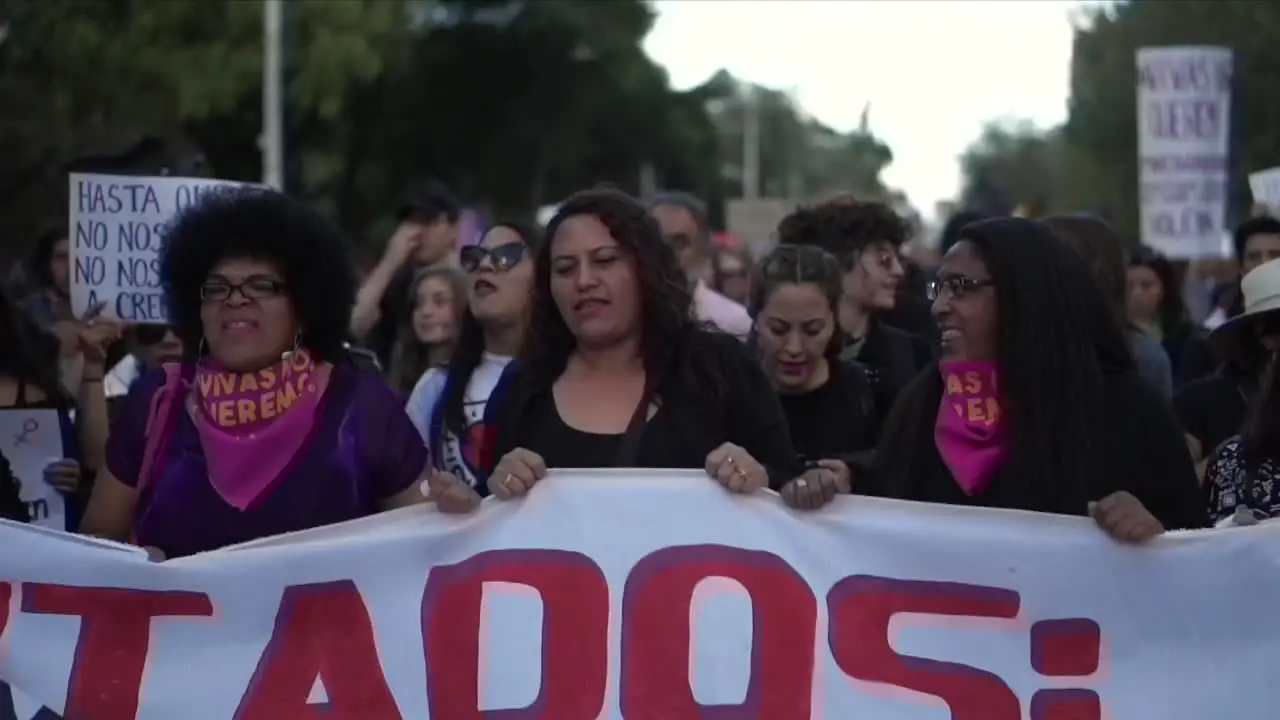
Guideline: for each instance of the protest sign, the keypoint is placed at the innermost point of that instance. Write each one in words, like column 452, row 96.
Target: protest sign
column 1184, row 144
column 1265, row 186
column 643, row 594
column 31, row 440
column 117, row 227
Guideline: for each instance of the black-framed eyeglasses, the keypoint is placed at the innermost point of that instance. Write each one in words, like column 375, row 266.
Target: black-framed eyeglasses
column 956, row 286
column 251, row 289
column 502, row 258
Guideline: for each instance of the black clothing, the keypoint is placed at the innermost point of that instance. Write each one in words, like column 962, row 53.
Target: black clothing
column 891, row 357
column 1199, row 360
column 692, row 419
column 1214, row 408
column 836, row 421
column 11, row 505
column 1141, row 449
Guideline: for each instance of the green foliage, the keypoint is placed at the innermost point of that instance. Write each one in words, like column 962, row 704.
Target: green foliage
column 1091, row 162
column 515, row 104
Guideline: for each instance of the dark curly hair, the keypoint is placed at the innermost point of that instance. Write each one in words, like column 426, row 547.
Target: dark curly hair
column 671, row 342
column 844, row 226
column 252, row 223
column 469, row 349
column 1058, row 339
column 799, row 265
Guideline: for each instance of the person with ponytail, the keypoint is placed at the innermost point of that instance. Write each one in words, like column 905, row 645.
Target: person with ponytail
column 829, row 403
column 268, row 426
column 449, row 405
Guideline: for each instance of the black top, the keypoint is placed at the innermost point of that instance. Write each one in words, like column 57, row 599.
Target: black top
column 1214, row 408
column 891, row 357
column 11, row 505
column 691, row 420
column 837, row 420
column 1142, row 447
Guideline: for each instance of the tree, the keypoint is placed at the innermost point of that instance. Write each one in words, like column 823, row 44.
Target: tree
column 514, row 103
column 1011, row 166
column 800, row 157
column 1101, row 132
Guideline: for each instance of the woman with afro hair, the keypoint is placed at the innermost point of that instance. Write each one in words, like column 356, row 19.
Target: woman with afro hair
column 267, row 427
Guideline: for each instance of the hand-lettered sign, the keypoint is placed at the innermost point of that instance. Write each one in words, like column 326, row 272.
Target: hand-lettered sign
column 117, row 227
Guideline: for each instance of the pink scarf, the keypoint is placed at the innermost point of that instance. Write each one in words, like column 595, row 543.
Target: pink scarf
column 969, row 433
column 252, row 425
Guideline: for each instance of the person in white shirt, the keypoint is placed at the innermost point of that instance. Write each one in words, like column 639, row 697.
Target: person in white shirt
column 153, row 346
column 685, row 227
column 448, row 405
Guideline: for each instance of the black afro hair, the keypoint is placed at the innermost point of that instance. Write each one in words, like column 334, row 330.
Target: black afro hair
column 311, row 253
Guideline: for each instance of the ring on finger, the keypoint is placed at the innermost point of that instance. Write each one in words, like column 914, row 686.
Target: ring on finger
column 506, row 483
column 802, row 483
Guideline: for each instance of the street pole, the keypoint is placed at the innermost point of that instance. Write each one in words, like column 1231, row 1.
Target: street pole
column 751, row 144
column 272, row 140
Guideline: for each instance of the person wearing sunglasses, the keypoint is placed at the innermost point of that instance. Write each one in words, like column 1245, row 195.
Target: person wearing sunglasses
column 151, row 347
column 449, row 405
column 267, row 427
column 1036, row 403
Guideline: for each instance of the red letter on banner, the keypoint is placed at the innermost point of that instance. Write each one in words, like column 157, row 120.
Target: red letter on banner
column 322, row 631
column 656, row 643
column 575, row 632
column 860, row 609
column 115, row 632
column 6, row 593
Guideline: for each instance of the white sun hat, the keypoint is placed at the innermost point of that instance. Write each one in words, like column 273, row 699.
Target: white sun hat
column 1261, row 291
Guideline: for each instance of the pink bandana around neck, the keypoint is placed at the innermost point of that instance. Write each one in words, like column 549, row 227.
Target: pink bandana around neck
column 252, row 425
column 969, row 433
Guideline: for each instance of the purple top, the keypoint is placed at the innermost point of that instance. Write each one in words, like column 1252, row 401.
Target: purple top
column 363, row 450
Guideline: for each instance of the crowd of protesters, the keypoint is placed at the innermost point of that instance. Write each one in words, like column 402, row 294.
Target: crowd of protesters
column 1040, row 366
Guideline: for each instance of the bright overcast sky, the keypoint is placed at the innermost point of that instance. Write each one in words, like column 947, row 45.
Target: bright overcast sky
column 934, row 72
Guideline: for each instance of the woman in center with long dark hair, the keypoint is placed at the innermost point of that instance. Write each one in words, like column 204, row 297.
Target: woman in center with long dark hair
column 1036, row 403
column 616, row 372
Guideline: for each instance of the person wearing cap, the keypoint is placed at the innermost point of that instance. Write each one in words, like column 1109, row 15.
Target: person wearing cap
column 1243, row 473
column 687, row 230
column 1214, row 409
column 427, row 235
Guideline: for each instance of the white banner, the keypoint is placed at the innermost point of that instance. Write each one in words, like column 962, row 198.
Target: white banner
column 629, row 594
column 1184, row 142
column 31, row 440
column 117, row 226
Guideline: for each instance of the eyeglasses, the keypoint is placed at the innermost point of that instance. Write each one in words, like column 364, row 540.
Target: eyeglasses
column 956, row 286
column 251, row 289
column 502, row 257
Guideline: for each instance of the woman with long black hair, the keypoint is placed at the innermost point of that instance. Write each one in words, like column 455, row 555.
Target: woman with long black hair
column 616, row 372
column 1156, row 306
column 29, row 381
column 448, row 405
column 1036, row 403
